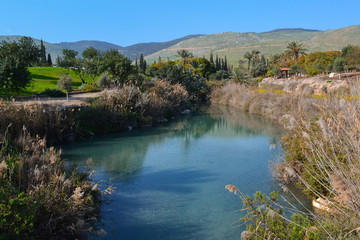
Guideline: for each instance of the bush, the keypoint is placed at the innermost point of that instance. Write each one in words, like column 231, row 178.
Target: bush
column 65, row 82
column 53, row 93
column 104, row 81
column 220, row 75
column 38, row 195
column 87, row 87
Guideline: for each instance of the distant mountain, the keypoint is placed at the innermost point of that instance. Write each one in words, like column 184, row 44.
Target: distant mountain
column 234, row 45
column 133, row 51
column 80, row 46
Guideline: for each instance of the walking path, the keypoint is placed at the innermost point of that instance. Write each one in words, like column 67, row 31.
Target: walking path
column 74, row 100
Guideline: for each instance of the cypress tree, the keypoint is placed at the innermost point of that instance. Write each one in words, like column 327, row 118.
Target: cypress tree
column 142, row 63
column 217, row 64
column 225, row 64
column 222, row 64
column 144, row 66
column 49, row 61
column 212, row 58
column 136, row 63
column 42, row 53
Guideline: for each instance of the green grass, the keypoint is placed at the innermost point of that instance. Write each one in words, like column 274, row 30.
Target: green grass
column 43, row 78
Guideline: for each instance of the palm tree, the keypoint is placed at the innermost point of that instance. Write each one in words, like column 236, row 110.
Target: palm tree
column 248, row 56
column 296, row 48
column 184, row 54
column 255, row 54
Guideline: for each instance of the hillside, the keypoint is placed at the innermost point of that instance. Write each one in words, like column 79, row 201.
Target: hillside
column 234, row 45
column 132, row 51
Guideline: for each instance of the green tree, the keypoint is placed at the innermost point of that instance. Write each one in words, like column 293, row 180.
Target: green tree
column 69, row 58
column 14, row 74
column 42, row 53
column 117, row 65
column 90, row 53
column 29, row 52
column 65, row 82
column 184, row 54
column 49, row 61
column 249, row 57
column 142, row 64
column 296, row 49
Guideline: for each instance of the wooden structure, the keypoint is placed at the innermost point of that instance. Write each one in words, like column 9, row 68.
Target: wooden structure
column 285, row 72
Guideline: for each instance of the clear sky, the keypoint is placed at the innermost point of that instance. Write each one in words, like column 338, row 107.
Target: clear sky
column 126, row 22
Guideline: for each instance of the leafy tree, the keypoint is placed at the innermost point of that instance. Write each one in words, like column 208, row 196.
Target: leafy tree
column 259, row 69
column 29, row 51
column 91, row 67
column 65, row 82
column 14, row 74
column 69, row 58
column 90, row 53
column 117, row 65
column 338, row 65
column 79, row 69
column 13, row 67
column 295, row 49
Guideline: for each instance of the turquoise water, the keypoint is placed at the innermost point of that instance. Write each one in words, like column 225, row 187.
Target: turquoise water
column 170, row 181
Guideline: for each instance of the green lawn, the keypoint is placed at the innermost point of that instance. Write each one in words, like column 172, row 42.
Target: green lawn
column 43, row 78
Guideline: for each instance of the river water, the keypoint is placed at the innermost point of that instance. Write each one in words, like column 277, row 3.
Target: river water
column 169, row 181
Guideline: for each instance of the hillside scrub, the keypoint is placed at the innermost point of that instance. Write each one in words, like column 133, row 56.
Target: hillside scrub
column 322, row 148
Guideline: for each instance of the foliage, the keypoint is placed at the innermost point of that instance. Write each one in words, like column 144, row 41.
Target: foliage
column 14, row 74
column 265, row 219
column 296, row 48
column 104, row 81
column 39, row 197
column 65, row 82
column 220, row 75
column 117, row 65
column 69, row 58
column 53, row 93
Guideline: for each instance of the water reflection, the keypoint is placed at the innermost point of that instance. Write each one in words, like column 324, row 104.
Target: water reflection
column 170, row 180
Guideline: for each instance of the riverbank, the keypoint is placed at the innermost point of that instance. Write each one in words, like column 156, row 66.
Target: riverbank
column 321, row 146
column 43, row 196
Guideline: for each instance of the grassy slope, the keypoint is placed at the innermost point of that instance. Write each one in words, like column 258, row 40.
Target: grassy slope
column 46, row 77
column 234, row 45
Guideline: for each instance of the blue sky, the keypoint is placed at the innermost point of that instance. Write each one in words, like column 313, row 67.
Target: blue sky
column 126, row 22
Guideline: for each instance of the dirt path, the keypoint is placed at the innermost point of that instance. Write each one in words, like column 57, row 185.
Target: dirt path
column 75, row 100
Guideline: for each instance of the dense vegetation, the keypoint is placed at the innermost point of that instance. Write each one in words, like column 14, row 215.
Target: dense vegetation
column 138, row 94
column 322, row 152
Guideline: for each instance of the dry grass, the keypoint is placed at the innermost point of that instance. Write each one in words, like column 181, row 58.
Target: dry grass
column 322, row 148
column 54, row 199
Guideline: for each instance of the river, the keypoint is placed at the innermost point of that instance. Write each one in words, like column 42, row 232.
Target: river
column 169, row 181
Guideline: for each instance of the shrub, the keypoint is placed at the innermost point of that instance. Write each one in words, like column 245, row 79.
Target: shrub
column 104, row 81
column 53, row 93
column 39, row 196
column 65, row 82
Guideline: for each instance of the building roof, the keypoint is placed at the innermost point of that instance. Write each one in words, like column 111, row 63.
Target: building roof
column 284, row 68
